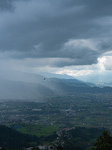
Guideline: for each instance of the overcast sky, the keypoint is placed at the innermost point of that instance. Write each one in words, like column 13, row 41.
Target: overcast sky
column 73, row 37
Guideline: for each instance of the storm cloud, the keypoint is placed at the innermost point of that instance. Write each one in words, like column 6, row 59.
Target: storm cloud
column 66, row 32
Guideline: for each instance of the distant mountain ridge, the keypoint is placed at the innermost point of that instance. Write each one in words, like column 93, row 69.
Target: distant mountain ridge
column 23, row 90
column 19, row 85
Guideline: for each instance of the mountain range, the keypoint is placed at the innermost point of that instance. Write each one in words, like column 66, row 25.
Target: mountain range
column 29, row 86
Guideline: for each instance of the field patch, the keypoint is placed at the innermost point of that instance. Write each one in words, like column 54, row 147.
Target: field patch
column 39, row 130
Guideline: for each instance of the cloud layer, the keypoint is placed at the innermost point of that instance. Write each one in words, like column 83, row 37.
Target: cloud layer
column 55, row 33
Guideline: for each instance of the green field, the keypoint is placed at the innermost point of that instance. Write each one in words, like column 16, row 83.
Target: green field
column 39, row 130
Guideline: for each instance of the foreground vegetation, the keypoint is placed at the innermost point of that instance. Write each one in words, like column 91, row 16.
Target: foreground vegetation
column 103, row 142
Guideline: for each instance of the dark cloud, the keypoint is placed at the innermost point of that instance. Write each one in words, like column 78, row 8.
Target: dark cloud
column 41, row 29
column 6, row 5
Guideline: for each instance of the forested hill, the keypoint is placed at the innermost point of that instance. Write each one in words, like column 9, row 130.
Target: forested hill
column 10, row 138
column 79, row 138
